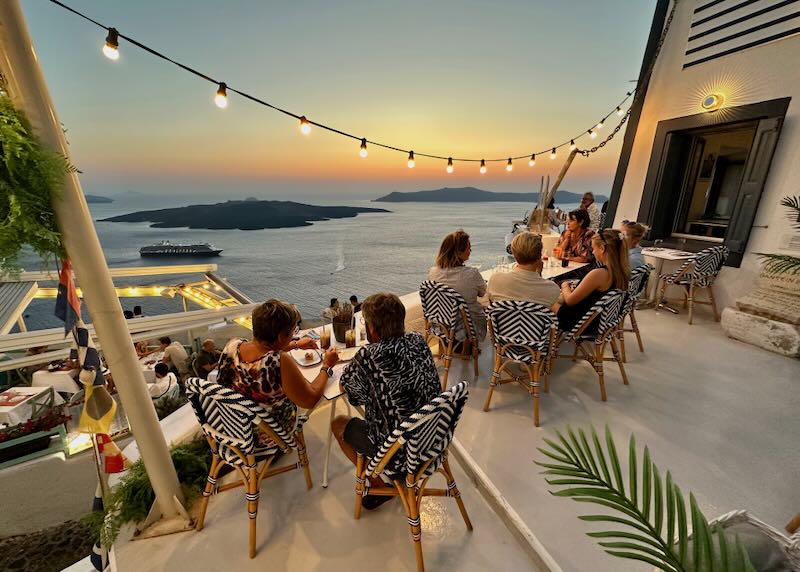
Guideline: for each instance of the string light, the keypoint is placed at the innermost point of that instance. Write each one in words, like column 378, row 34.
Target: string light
column 449, row 164
column 553, row 154
column 592, row 134
column 111, row 49
column 483, row 167
column 221, row 99
column 572, row 145
column 410, row 159
column 363, row 151
column 509, row 166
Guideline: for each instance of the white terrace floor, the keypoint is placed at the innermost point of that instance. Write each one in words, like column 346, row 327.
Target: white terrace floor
column 719, row 414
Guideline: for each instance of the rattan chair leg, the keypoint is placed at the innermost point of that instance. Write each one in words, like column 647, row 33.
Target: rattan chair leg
column 475, row 357
column 621, row 336
column 448, row 359
column 415, row 526
column 691, row 302
column 618, row 359
column 302, row 456
column 360, row 484
column 252, row 506
column 211, row 483
column 533, row 374
column 710, row 288
column 493, row 380
column 599, row 350
column 455, row 493
column 662, row 293
column 635, row 327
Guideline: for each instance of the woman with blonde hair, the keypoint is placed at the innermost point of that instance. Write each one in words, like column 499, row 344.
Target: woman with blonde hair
column 634, row 232
column 611, row 251
column 467, row 281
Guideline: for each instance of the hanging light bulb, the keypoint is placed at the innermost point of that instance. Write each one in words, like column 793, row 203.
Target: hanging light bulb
column 592, row 134
column 449, row 164
column 619, row 111
column 221, row 99
column 532, row 160
column 553, row 153
column 599, row 125
column 410, row 159
column 305, row 126
column 363, row 151
column 572, row 145
column 483, row 167
column 111, row 49
column 509, row 166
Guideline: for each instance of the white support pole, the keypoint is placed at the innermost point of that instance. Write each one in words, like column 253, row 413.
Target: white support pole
column 27, row 88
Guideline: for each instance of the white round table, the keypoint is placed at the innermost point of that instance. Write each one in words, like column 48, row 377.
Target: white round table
column 60, row 380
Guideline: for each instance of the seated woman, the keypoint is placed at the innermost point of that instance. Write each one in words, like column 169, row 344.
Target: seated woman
column 633, row 234
column 610, row 250
column 392, row 378
column 467, row 281
column 576, row 240
column 262, row 370
column 165, row 384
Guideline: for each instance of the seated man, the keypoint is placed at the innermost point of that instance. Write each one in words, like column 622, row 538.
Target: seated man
column 207, row 358
column 392, row 378
column 175, row 356
column 525, row 281
column 165, row 383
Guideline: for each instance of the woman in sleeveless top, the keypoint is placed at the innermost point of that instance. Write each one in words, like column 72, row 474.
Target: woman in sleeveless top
column 262, row 370
column 610, row 250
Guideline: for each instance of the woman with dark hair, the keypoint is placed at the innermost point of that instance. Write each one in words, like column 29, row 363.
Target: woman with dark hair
column 576, row 240
column 467, row 281
column 611, row 251
column 262, row 370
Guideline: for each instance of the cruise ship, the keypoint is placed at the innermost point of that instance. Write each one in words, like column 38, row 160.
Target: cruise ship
column 166, row 248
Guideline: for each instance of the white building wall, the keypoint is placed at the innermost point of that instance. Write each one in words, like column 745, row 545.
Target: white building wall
column 758, row 74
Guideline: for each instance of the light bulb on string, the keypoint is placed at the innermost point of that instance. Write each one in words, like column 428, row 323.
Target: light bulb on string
column 111, row 47
column 553, row 154
column 221, row 99
column 449, row 164
column 592, row 134
column 410, row 159
column 509, row 166
column 483, row 167
column 572, row 145
column 363, row 151
column 305, row 126
column 532, row 160
column 599, row 124
column 619, row 111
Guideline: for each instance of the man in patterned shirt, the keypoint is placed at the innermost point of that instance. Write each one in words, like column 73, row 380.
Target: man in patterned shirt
column 392, row 378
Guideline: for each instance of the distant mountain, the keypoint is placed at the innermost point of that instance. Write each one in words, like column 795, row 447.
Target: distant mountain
column 243, row 215
column 93, row 199
column 473, row 195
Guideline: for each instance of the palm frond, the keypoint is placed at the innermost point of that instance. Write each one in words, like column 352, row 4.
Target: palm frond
column 650, row 505
column 780, row 263
column 793, row 204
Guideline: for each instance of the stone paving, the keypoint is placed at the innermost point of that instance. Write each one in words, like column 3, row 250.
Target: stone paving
column 48, row 550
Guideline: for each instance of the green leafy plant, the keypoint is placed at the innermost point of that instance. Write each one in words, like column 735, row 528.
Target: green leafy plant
column 130, row 500
column 31, row 179
column 648, row 513
column 785, row 263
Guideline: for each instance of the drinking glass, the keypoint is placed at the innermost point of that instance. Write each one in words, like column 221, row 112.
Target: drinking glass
column 657, row 243
column 325, row 337
column 362, row 330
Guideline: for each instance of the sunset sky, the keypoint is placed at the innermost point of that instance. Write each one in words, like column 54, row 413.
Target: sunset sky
column 462, row 78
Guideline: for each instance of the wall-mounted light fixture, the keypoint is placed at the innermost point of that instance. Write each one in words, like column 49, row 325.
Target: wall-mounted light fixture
column 712, row 101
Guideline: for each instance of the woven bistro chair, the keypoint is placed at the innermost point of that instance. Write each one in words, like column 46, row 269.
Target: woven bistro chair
column 231, row 423
column 637, row 285
column 696, row 273
column 447, row 319
column 411, row 455
column 522, row 333
column 607, row 313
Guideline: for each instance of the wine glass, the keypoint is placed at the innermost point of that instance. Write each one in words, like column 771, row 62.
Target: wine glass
column 657, row 243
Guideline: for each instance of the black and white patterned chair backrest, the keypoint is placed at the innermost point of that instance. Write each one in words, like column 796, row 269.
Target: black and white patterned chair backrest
column 709, row 261
column 522, row 322
column 442, row 305
column 427, row 433
column 636, row 285
column 610, row 307
column 231, row 416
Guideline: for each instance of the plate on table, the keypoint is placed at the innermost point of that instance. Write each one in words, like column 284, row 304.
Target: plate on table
column 306, row 358
column 346, row 354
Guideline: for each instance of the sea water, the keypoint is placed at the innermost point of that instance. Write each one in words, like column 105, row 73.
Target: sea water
column 308, row 265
